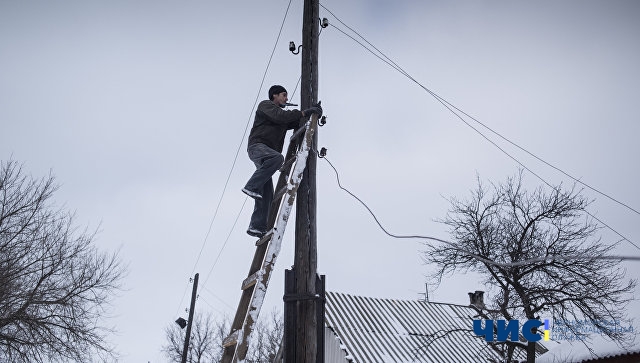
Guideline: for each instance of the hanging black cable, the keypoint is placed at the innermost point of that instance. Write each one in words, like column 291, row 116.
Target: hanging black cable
column 470, row 254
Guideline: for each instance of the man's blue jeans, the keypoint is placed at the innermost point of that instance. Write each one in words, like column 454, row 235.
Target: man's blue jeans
column 267, row 162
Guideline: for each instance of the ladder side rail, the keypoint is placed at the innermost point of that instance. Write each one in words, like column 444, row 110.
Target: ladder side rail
column 259, row 255
column 284, row 177
column 240, row 320
column 260, row 288
column 258, row 258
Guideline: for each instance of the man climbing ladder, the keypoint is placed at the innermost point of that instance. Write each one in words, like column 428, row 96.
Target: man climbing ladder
column 266, row 140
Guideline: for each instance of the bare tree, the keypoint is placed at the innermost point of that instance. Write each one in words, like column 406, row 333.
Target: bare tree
column 506, row 226
column 205, row 344
column 54, row 285
column 266, row 339
column 208, row 333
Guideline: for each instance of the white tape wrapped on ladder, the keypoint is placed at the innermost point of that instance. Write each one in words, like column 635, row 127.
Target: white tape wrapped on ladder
column 286, row 205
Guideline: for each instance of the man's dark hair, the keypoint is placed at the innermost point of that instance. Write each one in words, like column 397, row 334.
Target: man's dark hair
column 275, row 90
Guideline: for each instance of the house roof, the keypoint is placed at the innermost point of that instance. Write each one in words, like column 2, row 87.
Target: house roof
column 389, row 330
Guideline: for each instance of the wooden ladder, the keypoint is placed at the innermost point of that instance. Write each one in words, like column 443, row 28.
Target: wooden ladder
column 254, row 287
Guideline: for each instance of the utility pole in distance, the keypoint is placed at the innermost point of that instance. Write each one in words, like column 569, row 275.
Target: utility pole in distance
column 306, row 256
column 192, row 308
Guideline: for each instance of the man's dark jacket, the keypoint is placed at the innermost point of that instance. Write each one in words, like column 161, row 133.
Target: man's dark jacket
column 271, row 125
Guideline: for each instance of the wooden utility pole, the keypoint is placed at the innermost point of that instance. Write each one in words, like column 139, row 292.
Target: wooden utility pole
column 192, row 308
column 306, row 257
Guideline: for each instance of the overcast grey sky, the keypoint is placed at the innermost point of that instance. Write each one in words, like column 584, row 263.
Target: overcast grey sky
column 138, row 108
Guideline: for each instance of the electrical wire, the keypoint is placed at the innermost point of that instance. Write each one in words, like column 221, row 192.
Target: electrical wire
column 543, row 161
column 211, row 305
column 245, row 200
column 225, row 241
column 393, row 64
column 224, row 189
column 204, row 288
column 446, row 105
column 470, row 254
column 383, row 57
column 442, row 100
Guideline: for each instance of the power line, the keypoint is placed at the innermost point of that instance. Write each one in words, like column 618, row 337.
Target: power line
column 224, row 189
column 211, row 305
column 225, row 241
column 470, row 254
column 446, row 105
column 245, row 200
column 394, row 65
column 451, row 108
column 543, row 161
column 204, row 288
column 388, row 60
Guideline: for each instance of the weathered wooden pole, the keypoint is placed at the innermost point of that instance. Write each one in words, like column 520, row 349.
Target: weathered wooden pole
column 306, row 257
column 192, row 308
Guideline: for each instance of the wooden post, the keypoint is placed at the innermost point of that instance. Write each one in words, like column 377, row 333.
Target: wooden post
column 320, row 303
column 305, row 261
column 289, row 339
column 192, row 308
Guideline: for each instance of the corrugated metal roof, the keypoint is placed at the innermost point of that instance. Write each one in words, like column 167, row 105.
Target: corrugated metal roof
column 386, row 330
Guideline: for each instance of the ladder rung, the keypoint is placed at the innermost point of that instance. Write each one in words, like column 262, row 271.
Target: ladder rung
column 280, row 192
column 298, row 133
column 287, row 163
column 232, row 339
column 251, row 280
column 265, row 238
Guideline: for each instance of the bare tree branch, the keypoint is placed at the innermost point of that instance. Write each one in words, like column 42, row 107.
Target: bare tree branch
column 55, row 286
column 522, row 239
column 208, row 334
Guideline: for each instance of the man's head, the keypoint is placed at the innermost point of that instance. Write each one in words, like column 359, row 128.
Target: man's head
column 278, row 95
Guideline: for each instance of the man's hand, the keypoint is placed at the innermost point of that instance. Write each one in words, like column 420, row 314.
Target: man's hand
column 315, row 109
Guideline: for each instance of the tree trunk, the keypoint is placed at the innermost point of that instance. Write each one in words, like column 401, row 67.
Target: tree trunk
column 531, row 352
